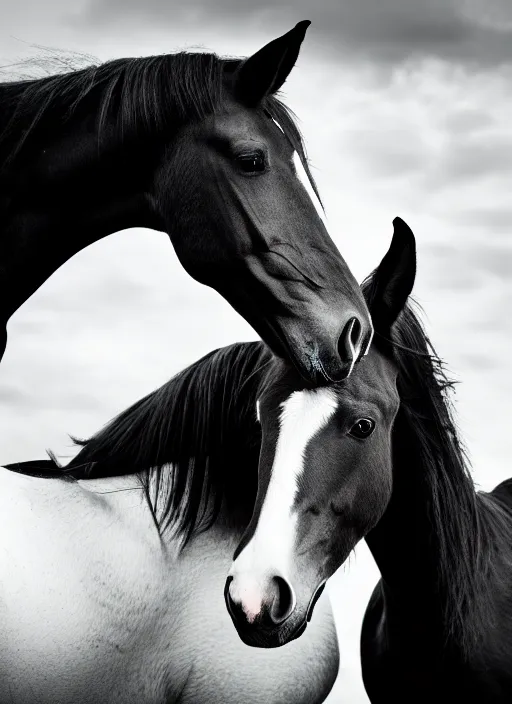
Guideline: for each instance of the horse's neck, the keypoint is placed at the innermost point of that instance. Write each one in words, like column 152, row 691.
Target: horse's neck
column 62, row 194
column 424, row 573
column 401, row 543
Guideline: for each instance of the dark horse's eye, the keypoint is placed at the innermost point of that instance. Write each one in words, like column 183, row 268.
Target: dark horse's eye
column 363, row 428
column 251, row 163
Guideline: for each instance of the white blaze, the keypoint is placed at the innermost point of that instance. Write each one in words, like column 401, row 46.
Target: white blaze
column 270, row 551
column 304, row 179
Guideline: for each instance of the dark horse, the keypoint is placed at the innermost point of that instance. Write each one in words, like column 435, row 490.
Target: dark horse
column 198, row 147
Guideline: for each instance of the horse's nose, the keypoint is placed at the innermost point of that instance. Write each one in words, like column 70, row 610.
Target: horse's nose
column 350, row 343
column 275, row 604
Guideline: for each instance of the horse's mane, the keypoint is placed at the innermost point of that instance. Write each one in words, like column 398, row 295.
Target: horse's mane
column 459, row 528
column 194, row 442
column 144, row 95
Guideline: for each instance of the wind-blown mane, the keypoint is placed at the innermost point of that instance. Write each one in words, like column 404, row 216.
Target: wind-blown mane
column 143, row 94
column 148, row 95
column 194, row 442
column 458, row 532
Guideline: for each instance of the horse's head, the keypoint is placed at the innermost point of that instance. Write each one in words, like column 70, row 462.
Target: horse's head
column 325, row 473
column 242, row 221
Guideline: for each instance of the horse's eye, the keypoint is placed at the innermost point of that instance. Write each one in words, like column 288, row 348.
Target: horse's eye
column 251, row 163
column 363, row 428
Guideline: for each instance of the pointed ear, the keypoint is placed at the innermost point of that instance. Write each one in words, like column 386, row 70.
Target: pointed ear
column 265, row 72
column 393, row 279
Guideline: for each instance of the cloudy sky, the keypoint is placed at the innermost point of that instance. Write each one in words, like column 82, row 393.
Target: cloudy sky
column 405, row 106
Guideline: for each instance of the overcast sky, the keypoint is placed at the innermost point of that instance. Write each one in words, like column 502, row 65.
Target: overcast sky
column 406, row 109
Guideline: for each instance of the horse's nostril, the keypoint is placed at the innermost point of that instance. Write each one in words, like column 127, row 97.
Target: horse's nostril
column 355, row 333
column 349, row 343
column 284, row 601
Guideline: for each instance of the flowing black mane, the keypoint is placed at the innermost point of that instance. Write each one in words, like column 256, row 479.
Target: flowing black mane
column 208, row 410
column 460, row 517
column 143, row 94
column 147, row 95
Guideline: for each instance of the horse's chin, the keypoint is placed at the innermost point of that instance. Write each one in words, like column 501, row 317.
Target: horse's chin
column 272, row 638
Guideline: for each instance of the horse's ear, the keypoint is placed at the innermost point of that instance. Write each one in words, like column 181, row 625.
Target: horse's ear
column 393, row 279
column 264, row 72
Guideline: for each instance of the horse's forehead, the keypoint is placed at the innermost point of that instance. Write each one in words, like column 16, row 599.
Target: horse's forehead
column 237, row 122
column 308, row 409
column 378, row 368
column 373, row 379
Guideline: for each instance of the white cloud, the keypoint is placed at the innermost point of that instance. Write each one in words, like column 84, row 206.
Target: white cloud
column 378, row 30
